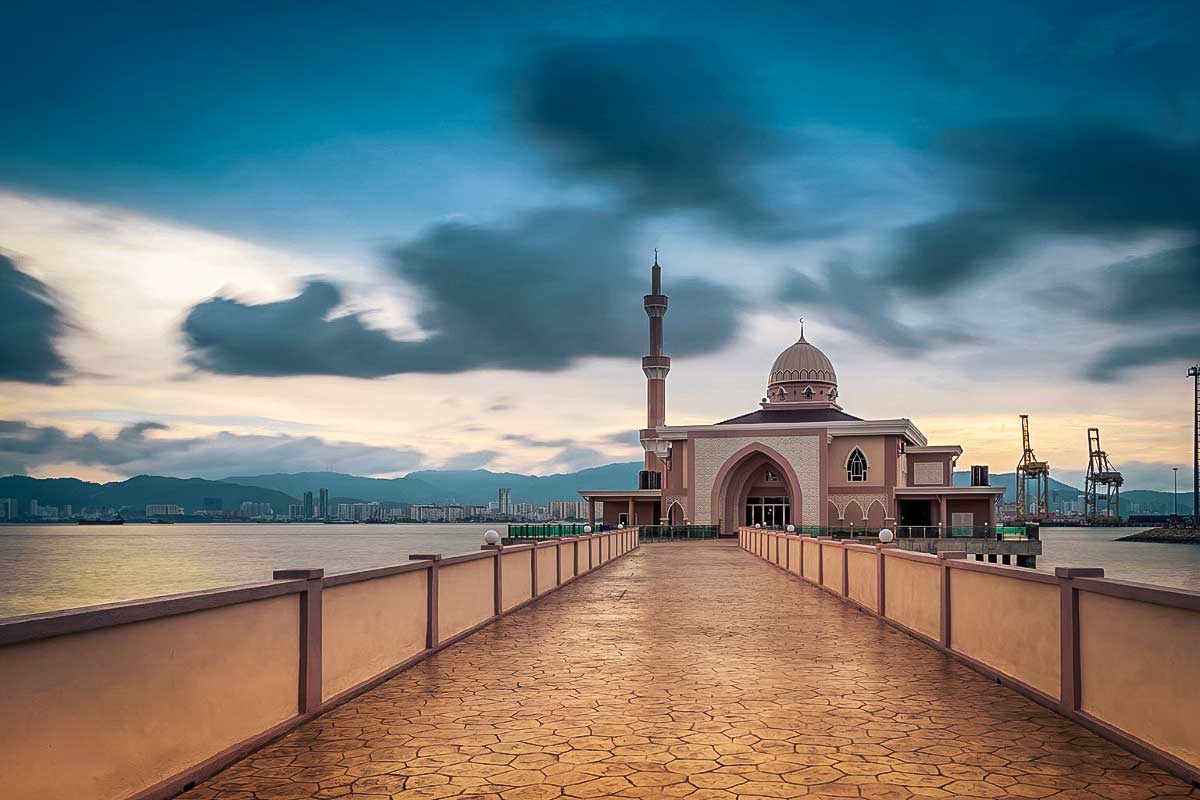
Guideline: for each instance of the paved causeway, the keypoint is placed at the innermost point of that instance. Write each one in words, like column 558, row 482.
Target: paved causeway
column 690, row 670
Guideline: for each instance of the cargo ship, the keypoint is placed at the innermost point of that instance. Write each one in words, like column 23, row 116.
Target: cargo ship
column 114, row 521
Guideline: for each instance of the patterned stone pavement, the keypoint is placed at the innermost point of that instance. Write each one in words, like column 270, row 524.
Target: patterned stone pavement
column 690, row 670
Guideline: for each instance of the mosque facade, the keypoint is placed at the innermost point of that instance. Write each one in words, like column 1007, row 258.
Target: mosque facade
column 798, row 459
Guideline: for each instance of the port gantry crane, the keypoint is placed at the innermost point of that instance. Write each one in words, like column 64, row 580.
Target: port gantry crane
column 1030, row 469
column 1101, row 473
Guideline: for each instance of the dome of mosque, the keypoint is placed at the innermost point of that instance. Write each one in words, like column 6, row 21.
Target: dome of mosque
column 801, row 362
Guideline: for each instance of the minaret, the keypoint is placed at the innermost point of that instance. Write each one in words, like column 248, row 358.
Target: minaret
column 655, row 365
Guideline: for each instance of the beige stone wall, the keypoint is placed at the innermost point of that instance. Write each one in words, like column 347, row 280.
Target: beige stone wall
column 371, row 626
column 1138, row 670
column 581, row 556
column 547, row 564
column 833, row 567
column 863, row 571
column 566, row 560
column 794, row 556
column 516, row 578
column 106, row 713
column 912, row 594
column 1010, row 624
column 466, row 596
column 811, row 554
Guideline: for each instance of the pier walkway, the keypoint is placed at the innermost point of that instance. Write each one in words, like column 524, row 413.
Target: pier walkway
column 690, row 670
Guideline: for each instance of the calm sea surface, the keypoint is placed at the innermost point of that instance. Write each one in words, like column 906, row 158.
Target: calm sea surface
column 50, row 567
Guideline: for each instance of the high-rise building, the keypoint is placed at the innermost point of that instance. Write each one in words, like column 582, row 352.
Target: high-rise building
column 33, row 508
column 307, row 510
column 8, row 508
column 323, row 504
column 505, row 501
column 296, row 510
column 163, row 510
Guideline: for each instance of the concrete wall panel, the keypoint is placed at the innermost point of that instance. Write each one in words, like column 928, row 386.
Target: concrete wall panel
column 370, row 626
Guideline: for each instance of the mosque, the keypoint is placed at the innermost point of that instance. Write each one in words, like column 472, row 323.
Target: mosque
column 798, row 459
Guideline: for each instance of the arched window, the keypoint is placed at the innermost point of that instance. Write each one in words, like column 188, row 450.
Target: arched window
column 856, row 466
column 808, row 393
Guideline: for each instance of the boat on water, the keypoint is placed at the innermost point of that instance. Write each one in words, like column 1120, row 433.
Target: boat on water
column 113, row 521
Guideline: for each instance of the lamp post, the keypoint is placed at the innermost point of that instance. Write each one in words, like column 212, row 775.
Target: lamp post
column 1175, row 494
column 1194, row 374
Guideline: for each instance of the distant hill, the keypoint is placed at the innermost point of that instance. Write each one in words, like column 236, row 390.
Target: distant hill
column 475, row 486
column 1009, row 481
column 1133, row 501
column 482, row 486
column 136, row 492
column 392, row 490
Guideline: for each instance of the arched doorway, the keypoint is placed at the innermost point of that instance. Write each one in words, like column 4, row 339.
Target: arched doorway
column 675, row 514
column 756, row 486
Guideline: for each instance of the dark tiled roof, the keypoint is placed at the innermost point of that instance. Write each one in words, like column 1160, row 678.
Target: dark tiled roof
column 761, row 417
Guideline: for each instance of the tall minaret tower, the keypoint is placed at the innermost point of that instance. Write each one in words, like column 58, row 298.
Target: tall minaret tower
column 655, row 365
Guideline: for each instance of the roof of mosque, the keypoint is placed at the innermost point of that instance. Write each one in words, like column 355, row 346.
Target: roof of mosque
column 777, row 416
column 802, row 362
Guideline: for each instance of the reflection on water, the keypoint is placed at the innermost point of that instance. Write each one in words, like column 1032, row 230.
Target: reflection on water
column 44, row 567
column 1176, row 565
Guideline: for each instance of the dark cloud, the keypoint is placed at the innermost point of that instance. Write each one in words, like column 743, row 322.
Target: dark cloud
column 1026, row 181
column 534, row 441
column 556, row 286
column 1144, row 295
column 864, row 305
column 1145, row 351
column 135, row 449
column 664, row 123
column 30, row 325
column 573, row 459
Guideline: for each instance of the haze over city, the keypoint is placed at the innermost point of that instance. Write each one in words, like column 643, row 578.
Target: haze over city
column 389, row 238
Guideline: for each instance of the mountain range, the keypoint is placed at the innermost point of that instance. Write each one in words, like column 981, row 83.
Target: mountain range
column 476, row 487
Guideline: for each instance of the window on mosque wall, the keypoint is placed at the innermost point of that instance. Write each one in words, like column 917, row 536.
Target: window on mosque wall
column 856, row 466
column 808, row 395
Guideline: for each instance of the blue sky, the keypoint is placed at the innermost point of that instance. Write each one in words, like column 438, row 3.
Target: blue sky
column 440, row 212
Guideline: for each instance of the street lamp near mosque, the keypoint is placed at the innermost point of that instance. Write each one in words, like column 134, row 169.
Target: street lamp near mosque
column 1175, row 494
column 1194, row 374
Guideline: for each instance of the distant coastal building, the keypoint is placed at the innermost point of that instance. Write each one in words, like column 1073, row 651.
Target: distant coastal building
column 163, row 510
column 505, row 501
column 798, row 459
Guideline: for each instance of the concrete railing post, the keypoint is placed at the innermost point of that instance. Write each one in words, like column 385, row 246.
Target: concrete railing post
column 944, row 626
column 497, row 576
column 309, row 698
column 845, row 571
column 1069, row 699
column 431, row 619
column 880, row 574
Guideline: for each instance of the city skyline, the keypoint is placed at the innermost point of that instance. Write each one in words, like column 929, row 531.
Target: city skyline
column 378, row 243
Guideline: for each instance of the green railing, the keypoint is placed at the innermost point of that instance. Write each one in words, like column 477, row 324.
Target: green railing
column 919, row 532
column 676, row 533
column 544, row 531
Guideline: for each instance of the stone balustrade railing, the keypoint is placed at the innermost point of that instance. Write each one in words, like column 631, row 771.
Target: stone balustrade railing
column 1121, row 658
column 145, row 698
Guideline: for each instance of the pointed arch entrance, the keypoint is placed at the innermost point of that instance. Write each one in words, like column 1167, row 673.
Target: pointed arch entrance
column 756, row 485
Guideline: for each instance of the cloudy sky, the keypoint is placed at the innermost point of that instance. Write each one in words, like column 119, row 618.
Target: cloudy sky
column 373, row 238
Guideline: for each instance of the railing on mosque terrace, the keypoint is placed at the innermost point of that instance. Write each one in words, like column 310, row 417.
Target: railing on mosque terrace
column 992, row 532
column 548, row 531
column 675, row 533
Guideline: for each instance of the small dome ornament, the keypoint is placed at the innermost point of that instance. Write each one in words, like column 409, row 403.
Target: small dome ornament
column 886, row 536
column 491, row 538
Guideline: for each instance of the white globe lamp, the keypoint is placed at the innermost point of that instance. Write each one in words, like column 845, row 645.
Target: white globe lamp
column 886, row 536
column 621, row 525
column 791, row 528
column 758, row 524
column 587, row 528
column 491, row 537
